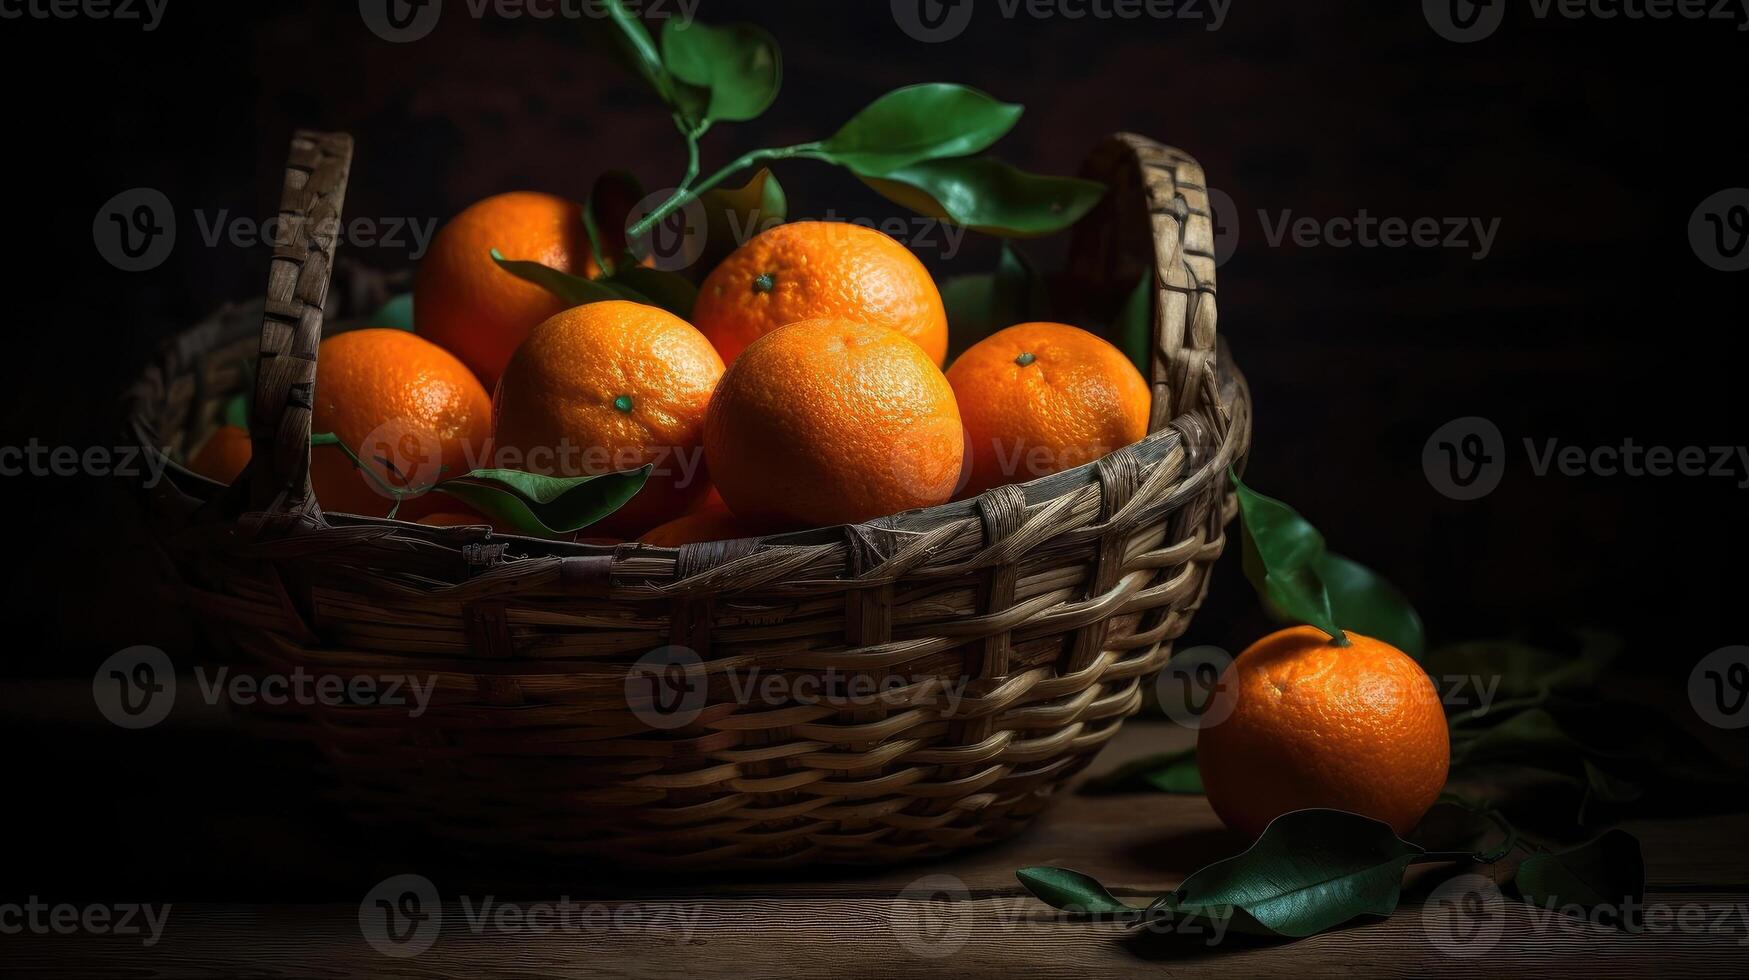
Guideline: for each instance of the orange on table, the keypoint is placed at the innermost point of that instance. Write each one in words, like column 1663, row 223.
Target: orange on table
column 810, row 269
column 1038, row 398
column 224, row 454
column 832, row 421
column 611, row 386
column 466, row 304
column 1313, row 724
column 393, row 396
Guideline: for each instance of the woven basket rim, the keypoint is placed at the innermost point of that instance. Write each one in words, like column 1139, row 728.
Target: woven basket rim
column 1181, row 431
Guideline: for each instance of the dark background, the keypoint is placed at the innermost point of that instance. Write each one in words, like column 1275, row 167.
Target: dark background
column 1591, row 321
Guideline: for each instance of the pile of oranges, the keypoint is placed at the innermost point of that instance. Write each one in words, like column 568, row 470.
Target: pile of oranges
column 806, row 391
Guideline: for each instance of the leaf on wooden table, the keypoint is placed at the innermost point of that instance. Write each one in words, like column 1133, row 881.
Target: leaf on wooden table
column 1311, row 870
column 1072, row 891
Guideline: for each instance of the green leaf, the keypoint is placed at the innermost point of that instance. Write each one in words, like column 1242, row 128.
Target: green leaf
column 396, row 314
column 637, row 47
column 545, row 506
column 739, row 65
column 989, row 196
column 1523, row 672
column 1364, row 602
column 1135, row 323
column 575, row 290
column 1281, row 552
column 1168, row 772
column 917, row 123
column 658, row 287
column 734, row 215
column 1311, row 870
column 1608, row 873
column 1072, row 891
column 236, row 410
column 980, row 304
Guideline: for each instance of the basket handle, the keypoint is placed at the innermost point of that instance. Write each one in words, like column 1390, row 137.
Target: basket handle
column 1156, row 213
column 304, row 240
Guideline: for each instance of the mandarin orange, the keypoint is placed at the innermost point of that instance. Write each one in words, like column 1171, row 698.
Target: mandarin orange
column 833, row 421
column 612, row 386
column 811, row 269
column 464, row 302
column 1038, row 398
column 1313, row 724
column 410, row 410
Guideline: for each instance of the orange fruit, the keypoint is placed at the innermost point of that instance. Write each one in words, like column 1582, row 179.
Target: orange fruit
column 811, row 269
column 224, row 454
column 612, row 386
column 1356, row 728
column 409, row 409
column 703, row 524
column 461, row 299
column 832, row 421
column 1038, row 398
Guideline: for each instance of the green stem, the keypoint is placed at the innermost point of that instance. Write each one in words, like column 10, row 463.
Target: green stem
column 687, row 193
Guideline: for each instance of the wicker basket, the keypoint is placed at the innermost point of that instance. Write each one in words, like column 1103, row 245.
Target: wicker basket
column 1008, row 636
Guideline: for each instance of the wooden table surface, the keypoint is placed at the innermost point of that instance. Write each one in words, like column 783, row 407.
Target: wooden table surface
column 963, row 917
